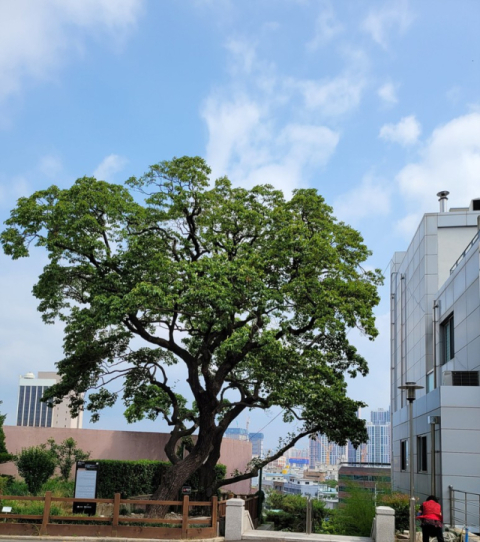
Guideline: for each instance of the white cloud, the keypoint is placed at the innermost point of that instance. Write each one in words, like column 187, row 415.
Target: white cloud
column 370, row 198
column 381, row 23
column 258, row 132
column 327, row 27
column 406, row 132
column 243, row 56
column 245, row 143
column 408, row 225
column 333, row 97
column 308, row 143
column 35, row 37
column 449, row 161
column 388, row 93
column 109, row 166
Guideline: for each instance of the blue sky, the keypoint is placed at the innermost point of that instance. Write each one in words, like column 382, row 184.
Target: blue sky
column 374, row 103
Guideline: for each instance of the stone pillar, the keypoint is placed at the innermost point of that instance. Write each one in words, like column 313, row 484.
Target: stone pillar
column 384, row 524
column 234, row 519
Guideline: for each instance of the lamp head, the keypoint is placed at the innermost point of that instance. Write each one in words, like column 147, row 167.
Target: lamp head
column 411, row 388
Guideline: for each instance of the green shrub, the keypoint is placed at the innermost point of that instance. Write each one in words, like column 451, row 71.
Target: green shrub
column 131, row 478
column 36, row 465
column 67, row 454
column 16, row 487
column 293, row 512
column 401, row 504
column 33, row 508
column 59, row 487
column 5, row 481
column 355, row 516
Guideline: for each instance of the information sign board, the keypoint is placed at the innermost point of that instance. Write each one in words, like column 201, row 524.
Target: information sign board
column 85, row 487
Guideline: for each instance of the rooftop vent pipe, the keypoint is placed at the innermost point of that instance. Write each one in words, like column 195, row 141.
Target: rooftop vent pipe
column 442, row 198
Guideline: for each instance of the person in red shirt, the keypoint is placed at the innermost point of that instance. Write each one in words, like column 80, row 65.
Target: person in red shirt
column 432, row 519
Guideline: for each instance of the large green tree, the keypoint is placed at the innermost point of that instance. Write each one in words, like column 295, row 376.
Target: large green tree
column 252, row 293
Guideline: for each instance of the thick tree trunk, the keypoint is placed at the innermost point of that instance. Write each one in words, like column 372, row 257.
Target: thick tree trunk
column 178, row 474
column 207, row 479
column 170, row 486
column 207, row 482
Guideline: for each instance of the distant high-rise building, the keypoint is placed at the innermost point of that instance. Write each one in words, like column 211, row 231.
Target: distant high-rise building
column 378, row 446
column 377, row 450
column 380, row 416
column 257, row 443
column 324, row 452
column 297, row 453
column 236, row 433
column 32, row 412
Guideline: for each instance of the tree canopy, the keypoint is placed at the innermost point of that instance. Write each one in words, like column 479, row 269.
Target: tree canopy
column 253, row 293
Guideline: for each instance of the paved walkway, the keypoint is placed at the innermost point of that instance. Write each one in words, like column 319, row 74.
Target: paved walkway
column 264, row 536
column 251, row 536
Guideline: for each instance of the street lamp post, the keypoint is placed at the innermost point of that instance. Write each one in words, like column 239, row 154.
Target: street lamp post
column 411, row 388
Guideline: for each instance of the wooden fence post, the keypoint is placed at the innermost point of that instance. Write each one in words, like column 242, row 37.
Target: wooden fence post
column 186, row 500
column 116, row 509
column 46, row 512
column 214, row 514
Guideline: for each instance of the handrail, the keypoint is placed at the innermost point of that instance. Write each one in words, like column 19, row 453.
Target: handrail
column 464, row 510
column 464, row 253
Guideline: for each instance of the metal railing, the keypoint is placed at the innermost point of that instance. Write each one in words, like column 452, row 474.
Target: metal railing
column 464, row 253
column 464, row 508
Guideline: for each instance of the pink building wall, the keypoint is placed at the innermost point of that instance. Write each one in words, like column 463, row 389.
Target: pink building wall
column 132, row 445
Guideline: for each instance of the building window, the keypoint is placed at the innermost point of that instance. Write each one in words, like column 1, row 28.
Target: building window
column 447, row 338
column 404, row 455
column 430, row 382
column 422, row 454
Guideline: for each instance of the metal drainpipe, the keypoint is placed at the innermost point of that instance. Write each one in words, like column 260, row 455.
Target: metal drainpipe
column 452, row 505
column 434, row 352
column 402, row 335
column 432, row 439
column 394, row 342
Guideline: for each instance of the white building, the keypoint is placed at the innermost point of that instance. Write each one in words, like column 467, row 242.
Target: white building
column 435, row 342
column 33, row 413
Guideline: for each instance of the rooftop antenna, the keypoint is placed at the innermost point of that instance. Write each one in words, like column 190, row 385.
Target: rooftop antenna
column 442, row 198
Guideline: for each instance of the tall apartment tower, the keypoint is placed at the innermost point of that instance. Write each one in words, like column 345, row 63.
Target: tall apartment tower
column 380, row 416
column 324, row 452
column 32, row 412
column 377, row 449
column 435, row 342
column 257, row 443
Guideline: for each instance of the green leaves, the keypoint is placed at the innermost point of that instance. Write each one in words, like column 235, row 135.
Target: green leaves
column 251, row 294
column 36, row 465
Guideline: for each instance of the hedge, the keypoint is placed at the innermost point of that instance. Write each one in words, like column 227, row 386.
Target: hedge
column 130, row 478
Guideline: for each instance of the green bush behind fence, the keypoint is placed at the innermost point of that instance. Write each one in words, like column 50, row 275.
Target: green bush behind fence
column 131, row 478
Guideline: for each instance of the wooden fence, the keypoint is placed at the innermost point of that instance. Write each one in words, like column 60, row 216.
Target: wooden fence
column 115, row 525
